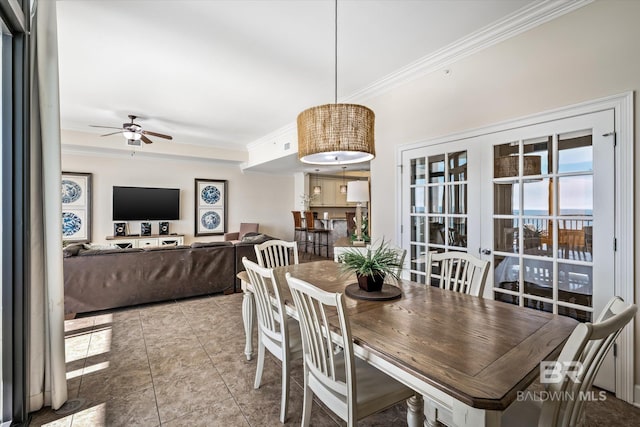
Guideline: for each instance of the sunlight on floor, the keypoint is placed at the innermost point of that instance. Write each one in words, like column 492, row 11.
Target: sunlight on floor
column 94, row 416
column 86, row 338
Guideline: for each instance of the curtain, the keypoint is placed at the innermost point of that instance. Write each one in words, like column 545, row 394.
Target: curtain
column 47, row 372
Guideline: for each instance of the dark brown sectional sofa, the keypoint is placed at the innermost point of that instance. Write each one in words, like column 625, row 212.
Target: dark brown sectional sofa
column 100, row 279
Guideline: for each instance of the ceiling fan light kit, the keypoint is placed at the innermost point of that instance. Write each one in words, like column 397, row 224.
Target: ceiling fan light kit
column 336, row 133
column 131, row 131
column 134, row 133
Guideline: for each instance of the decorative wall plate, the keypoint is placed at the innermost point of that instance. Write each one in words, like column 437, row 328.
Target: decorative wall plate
column 210, row 194
column 210, row 220
column 71, row 224
column 71, row 191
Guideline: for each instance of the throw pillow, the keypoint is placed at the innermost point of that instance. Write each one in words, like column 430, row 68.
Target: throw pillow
column 255, row 238
column 98, row 246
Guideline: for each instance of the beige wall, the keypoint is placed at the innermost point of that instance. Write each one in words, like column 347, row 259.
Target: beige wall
column 588, row 54
column 253, row 197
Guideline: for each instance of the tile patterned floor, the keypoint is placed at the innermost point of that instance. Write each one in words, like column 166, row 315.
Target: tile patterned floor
column 182, row 364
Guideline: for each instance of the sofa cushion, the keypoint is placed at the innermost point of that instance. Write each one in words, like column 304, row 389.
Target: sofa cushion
column 90, row 252
column 98, row 246
column 165, row 247
column 209, row 244
column 160, row 248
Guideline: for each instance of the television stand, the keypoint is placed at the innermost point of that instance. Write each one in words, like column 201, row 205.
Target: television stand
column 137, row 241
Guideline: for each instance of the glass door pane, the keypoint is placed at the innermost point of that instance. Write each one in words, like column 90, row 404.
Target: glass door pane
column 544, row 216
column 439, row 205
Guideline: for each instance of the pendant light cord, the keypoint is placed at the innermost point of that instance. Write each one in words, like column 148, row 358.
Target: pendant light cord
column 335, row 98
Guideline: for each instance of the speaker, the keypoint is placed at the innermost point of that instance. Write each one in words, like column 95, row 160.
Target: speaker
column 120, row 229
column 164, row 228
column 145, row 229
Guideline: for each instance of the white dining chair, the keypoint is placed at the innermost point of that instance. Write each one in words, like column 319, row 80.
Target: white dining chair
column 276, row 253
column 587, row 345
column 349, row 386
column 277, row 332
column 458, row 271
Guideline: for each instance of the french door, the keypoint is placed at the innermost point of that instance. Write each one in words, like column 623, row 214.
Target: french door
column 536, row 201
column 441, row 184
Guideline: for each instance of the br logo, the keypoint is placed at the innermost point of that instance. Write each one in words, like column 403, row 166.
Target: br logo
column 555, row 372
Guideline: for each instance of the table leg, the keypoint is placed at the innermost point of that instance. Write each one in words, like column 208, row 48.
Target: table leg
column 415, row 414
column 248, row 309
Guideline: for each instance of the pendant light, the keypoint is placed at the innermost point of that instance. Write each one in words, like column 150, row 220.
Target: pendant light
column 317, row 189
column 336, row 133
column 343, row 187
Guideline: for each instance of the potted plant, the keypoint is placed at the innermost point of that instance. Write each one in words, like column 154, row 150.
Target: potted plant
column 371, row 266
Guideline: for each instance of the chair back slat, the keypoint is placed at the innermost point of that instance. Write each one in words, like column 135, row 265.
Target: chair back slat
column 276, row 253
column 315, row 307
column 588, row 344
column 459, row 272
column 269, row 306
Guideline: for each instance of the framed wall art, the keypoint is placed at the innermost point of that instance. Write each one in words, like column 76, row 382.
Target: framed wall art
column 76, row 206
column 211, row 207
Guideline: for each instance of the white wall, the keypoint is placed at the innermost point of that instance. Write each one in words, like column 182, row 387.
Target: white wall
column 252, row 197
column 587, row 54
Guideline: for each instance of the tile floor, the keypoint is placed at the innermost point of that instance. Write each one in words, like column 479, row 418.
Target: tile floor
column 182, row 364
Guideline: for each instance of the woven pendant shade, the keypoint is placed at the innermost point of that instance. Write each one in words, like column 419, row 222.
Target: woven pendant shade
column 336, row 134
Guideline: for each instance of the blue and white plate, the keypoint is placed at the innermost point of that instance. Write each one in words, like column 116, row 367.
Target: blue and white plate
column 210, row 194
column 71, row 191
column 71, row 224
column 210, row 220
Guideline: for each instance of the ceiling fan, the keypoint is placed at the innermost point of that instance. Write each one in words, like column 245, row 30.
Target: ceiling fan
column 133, row 132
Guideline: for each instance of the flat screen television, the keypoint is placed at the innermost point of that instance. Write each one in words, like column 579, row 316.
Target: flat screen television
column 139, row 203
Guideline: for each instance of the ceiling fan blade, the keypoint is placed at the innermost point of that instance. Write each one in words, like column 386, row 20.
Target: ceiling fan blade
column 112, row 133
column 106, row 127
column 145, row 139
column 159, row 135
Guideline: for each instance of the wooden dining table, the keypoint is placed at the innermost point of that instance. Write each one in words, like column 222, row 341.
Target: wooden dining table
column 467, row 357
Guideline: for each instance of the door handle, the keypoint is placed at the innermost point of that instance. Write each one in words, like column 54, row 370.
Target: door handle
column 486, row 251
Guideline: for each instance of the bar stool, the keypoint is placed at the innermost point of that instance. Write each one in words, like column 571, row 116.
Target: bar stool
column 351, row 223
column 299, row 231
column 317, row 234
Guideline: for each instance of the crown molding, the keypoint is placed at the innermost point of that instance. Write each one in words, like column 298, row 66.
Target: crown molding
column 518, row 22
column 529, row 17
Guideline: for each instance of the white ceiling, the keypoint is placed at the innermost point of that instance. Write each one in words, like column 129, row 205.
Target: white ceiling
column 225, row 73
